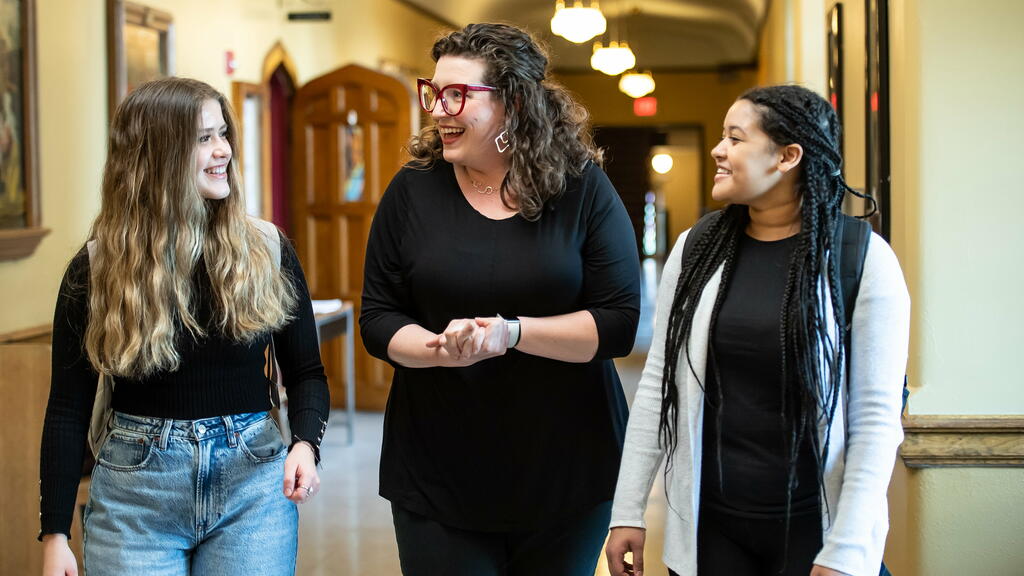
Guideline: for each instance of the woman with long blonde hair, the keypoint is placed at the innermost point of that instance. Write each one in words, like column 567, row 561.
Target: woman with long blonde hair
column 174, row 303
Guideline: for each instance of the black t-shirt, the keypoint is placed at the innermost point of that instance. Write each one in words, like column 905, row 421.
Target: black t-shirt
column 216, row 377
column 516, row 441
column 747, row 348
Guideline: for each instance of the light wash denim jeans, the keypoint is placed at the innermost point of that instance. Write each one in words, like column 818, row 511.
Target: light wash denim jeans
column 180, row 497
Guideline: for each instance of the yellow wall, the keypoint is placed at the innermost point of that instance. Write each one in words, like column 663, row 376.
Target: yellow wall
column 693, row 98
column 970, row 522
column 969, row 315
column 809, row 59
column 73, row 100
column 957, row 79
column 773, row 51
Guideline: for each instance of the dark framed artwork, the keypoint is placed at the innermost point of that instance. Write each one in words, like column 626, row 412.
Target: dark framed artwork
column 140, row 47
column 834, row 41
column 20, row 218
column 876, row 107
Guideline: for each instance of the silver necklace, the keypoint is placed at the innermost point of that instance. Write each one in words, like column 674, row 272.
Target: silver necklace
column 481, row 190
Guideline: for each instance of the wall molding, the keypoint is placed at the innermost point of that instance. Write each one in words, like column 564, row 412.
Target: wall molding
column 963, row 441
column 42, row 333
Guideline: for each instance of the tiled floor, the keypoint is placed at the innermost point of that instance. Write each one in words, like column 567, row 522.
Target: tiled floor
column 346, row 530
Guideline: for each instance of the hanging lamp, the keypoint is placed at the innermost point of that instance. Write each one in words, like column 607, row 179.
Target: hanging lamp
column 636, row 84
column 578, row 24
column 613, row 59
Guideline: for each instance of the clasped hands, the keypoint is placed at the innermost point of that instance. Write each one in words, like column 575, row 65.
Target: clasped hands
column 467, row 341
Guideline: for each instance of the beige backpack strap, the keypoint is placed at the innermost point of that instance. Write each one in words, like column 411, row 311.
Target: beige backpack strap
column 102, row 412
column 272, row 236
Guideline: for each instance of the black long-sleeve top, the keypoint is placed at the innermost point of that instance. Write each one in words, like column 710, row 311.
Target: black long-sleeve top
column 217, row 376
column 512, row 442
column 748, row 353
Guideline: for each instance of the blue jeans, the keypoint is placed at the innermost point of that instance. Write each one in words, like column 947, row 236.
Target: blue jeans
column 179, row 497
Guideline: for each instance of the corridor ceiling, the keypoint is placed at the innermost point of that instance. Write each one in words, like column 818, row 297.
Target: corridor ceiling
column 664, row 34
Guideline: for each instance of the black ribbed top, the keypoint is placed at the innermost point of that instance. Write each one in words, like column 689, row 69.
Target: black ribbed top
column 748, row 351
column 216, row 377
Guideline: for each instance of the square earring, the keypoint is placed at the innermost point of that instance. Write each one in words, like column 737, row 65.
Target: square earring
column 502, row 142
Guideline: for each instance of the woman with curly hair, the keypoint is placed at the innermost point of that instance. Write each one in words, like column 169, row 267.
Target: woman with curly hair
column 778, row 421
column 175, row 302
column 501, row 280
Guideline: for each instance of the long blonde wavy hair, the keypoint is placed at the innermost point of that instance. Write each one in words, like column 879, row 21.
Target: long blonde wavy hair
column 152, row 230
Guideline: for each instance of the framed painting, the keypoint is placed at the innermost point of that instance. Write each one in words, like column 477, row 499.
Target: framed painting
column 878, row 178
column 140, row 47
column 20, row 229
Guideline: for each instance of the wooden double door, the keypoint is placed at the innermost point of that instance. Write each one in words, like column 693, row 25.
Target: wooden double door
column 349, row 129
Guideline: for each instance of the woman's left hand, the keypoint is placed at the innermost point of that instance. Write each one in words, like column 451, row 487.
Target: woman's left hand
column 301, row 480
column 823, row 571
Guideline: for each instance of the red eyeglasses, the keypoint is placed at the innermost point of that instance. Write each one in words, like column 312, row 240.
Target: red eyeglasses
column 452, row 96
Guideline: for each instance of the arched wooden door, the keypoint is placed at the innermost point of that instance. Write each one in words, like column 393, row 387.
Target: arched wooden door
column 349, row 129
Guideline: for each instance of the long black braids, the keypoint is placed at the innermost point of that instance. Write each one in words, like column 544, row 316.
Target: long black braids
column 812, row 353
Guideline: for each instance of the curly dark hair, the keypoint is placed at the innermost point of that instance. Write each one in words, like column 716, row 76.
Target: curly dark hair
column 812, row 358
column 549, row 131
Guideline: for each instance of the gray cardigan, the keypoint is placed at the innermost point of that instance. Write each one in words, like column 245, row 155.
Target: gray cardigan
column 865, row 433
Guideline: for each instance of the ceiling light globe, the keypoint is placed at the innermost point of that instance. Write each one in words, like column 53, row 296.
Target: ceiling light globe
column 636, row 85
column 661, row 163
column 577, row 24
column 613, row 59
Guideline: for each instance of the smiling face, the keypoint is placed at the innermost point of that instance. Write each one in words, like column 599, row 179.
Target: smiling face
column 468, row 138
column 750, row 166
column 213, row 152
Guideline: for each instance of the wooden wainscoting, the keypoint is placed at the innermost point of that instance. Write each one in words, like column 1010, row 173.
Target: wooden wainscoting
column 963, row 441
column 24, row 387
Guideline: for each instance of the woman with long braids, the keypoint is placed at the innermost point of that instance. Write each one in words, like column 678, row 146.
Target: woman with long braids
column 778, row 424
column 501, row 280
column 175, row 301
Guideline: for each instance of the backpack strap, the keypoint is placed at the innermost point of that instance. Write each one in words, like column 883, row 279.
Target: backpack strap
column 850, row 247
column 102, row 411
column 272, row 236
column 697, row 231
column 850, row 250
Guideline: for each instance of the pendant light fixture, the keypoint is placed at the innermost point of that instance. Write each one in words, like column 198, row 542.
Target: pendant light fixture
column 613, row 59
column 616, row 57
column 636, row 84
column 578, row 24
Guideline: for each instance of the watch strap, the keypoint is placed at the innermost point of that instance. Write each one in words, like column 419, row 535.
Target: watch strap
column 514, row 331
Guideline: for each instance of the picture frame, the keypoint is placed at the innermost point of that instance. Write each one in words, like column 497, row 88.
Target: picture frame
column 878, row 177
column 140, row 47
column 20, row 204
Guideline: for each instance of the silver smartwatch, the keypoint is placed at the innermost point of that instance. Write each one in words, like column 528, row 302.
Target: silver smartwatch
column 514, row 332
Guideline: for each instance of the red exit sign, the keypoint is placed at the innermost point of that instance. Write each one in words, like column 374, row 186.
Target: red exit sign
column 646, row 106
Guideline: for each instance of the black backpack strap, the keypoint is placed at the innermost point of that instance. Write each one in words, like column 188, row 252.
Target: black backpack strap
column 697, row 231
column 850, row 249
